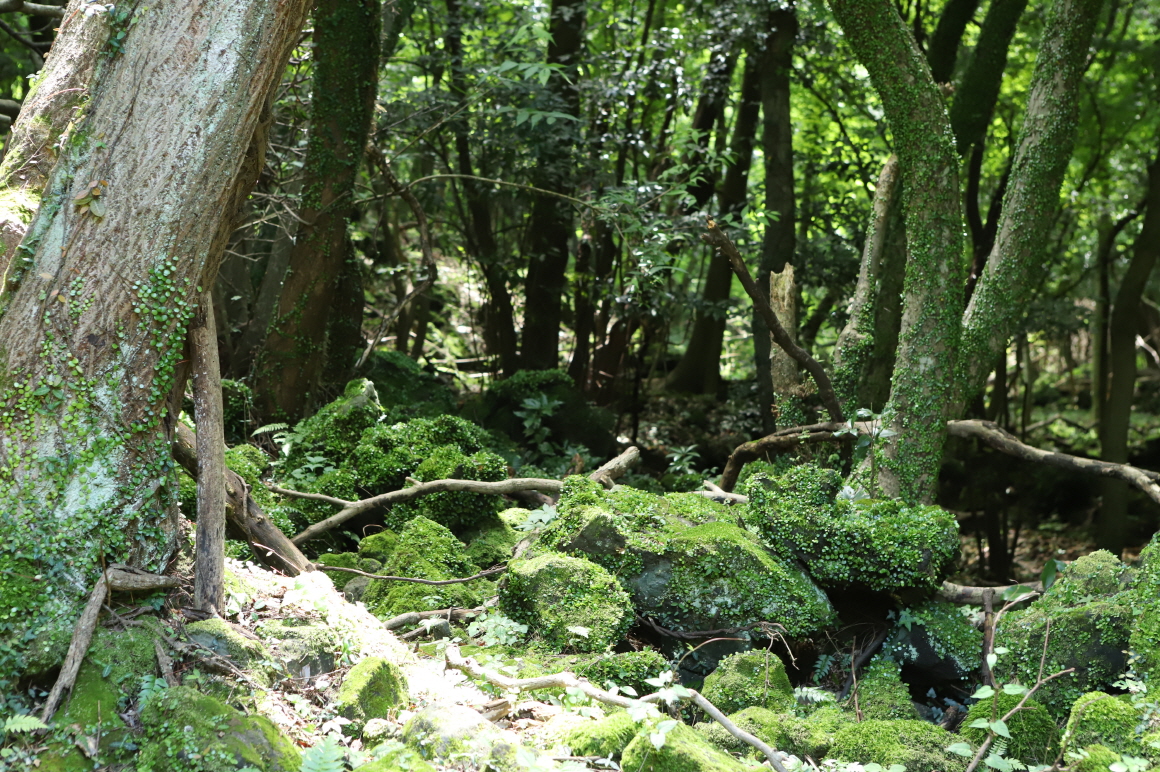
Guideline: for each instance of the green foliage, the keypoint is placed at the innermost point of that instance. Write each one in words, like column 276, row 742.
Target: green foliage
column 387, row 454
column 1110, row 721
column 494, row 629
column 606, row 737
column 407, row 390
column 1034, row 734
column 341, row 559
column 326, row 756
column 332, row 433
column 683, row 750
column 454, row 509
column 379, row 546
column 629, row 669
column 914, row 744
column 569, row 603
column 371, row 689
column 881, row 693
column 945, row 628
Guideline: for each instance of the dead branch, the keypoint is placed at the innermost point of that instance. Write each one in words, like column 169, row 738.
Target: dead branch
column 210, row 544
column 715, row 237
column 165, row 663
column 566, row 680
column 974, row 596
column 480, row 575
column 415, row 617
column 721, row 496
column 1000, row 439
column 115, row 577
column 33, row 9
column 777, row 442
column 352, row 508
column 609, row 472
column 242, row 513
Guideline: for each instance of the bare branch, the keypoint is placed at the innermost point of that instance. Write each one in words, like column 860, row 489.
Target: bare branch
column 480, row 575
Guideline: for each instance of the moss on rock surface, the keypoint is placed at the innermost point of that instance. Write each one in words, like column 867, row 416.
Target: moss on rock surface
column 1035, row 736
column 335, row 429
column 387, row 454
column 772, row 728
column 629, row 668
column 607, row 737
column 193, row 732
column 748, row 679
column 1114, row 722
column 425, row 550
column 684, row 751
column 881, row 693
column 342, row 560
column 1145, row 637
column 491, row 541
column 223, row 638
column 937, row 638
column 916, row 745
column 1094, row 758
column 371, row 689
column 379, row 545
column 457, row 734
column 554, row 592
column 882, row 545
column 454, row 509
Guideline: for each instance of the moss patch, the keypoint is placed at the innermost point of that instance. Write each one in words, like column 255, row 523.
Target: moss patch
column 371, row 689
column 881, row 693
column 684, row 751
column 1110, row 721
column 1035, row 737
column 916, row 745
column 747, row 679
column 607, row 737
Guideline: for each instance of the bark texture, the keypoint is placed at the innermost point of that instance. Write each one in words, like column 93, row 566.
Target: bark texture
column 91, row 331
column 210, row 571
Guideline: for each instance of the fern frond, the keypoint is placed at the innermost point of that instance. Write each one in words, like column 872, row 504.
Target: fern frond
column 23, row 724
column 327, row 756
column 269, row 428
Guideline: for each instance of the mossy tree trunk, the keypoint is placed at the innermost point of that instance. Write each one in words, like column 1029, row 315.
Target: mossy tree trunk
column 1113, row 428
column 922, row 383
column 550, row 229
column 94, row 315
column 300, row 343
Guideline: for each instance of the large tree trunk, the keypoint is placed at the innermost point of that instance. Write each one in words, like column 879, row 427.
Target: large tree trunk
column 91, row 328
column 932, row 289
column 300, row 344
column 550, row 229
column 1122, row 369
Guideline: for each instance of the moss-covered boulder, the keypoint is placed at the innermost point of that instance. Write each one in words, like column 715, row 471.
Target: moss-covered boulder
column 1034, row 734
column 342, row 560
column 387, row 454
column 396, row 757
column 1089, row 632
column 303, row 650
column 491, row 541
column 1094, row 758
column 455, row 733
column 425, row 550
column 937, row 639
column 630, row 668
column 747, row 679
column 455, row 509
column 230, row 641
column 379, row 546
column 569, row 603
column 1112, row 721
column 916, row 745
column 405, row 388
column 881, row 545
column 1145, row 637
column 334, row 431
column 372, row 689
column 772, row 728
column 881, row 693
column 606, row 737
column 684, row 750
column 184, row 729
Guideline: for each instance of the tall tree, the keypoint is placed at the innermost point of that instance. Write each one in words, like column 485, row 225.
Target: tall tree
column 134, row 217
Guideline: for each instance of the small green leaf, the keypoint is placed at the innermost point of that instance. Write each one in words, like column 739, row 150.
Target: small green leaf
column 1000, row 728
column 1016, row 689
column 983, row 692
column 961, row 749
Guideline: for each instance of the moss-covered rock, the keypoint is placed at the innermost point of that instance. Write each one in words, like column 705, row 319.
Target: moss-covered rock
column 193, row 732
column 1145, row 636
column 1088, row 632
column 303, row 650
column 456, row 732
column 405, row 388
column 684, row 751
column 455, row 509
column 425, row 550
column 396, row 758
column 491, row 542
column 387, row 454
column 554, row 592
column 335, row 430
column 1094, row 758
column 747, row 679
column 372, row 689
column 629, row 668
column 1035, row 736
column 342, row 560
column 1110, row 721
column 772, row 728
column 607, row 737
column 379, row 546
column 336, row 482
column 882, row 545
column 938, row 639
column 817, row 733
column 916, row 745
column 227, row 640
column 881, row 693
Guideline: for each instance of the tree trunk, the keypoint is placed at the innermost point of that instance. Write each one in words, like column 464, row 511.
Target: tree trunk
column 1112, row 531
column 290, row 367
column 550, row 227
column 932, row 302
column 699, row 369
column 91, row 333
column 944, row 43
column 777, row 248
column 209, row 576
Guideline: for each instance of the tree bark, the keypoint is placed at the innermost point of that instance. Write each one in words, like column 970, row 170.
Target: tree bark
column 209, row 574
column 948, row 34
column 91, row 333
column 290, row 368
column 1112, row 530
column 1032, row 199
column 777, row 144
column 932, row 304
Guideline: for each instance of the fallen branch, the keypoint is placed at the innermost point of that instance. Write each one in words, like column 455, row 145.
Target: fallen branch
column 480, row 575
column 115, row 577
column 353, row 508
column 243, row 514
column 210, row 542
column 610, row 471
column 777, row 442
column 566, row 680
column 721, row 496
column 33, row 9
column 715, row 237
column 415, row 617
column 1000, row 439
column 976, row 596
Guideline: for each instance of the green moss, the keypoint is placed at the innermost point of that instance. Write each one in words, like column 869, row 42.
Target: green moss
column 1094, row 758
column 684, row 751
column 774, row 729
column 338, row 483
column 881, row 693
column 1111, row 721
column 372, row 689
column 630, row 668
column 1035, row 737
column 882, row 545
column 425, row 550
column 1098, row 574
column 917, row 745
column 387, row 454
column 491, row 543
column 398, row 758
column 334, row 431
column 454, row 509
column 379, row 546
column 747, row 679
column 222, row 638
column 607, row 737
column 405, row 388
column 343, row 560
column 458, row 735
column 815, row 735
column 946, row 630
column 554, row 592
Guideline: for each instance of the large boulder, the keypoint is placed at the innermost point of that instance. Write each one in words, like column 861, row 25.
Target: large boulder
column 371, row 689
column 684, row 750
column 568, row 603
column 606, row 738
column 457, row 734
column 1111, row 721
column 879, row 545
column 748, row 679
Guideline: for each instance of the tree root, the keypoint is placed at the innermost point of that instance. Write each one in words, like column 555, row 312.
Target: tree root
column 566, row 680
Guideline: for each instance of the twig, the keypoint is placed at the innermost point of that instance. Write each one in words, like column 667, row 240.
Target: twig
column 480, row 575
column 567, row 680
column 716, row 237
column 973, row 596
column 776, row 442
column 607, row 473
column 862, row 658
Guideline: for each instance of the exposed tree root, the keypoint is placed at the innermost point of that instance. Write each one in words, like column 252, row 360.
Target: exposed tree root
column 566, row 680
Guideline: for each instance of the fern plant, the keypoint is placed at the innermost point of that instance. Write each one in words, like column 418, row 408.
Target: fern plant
column 23, row 723
column 326, row 756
